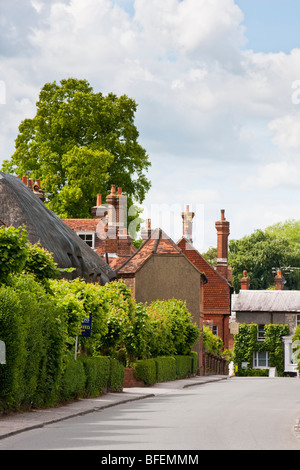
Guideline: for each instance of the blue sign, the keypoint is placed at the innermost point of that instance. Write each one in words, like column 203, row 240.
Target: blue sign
column 86, row 327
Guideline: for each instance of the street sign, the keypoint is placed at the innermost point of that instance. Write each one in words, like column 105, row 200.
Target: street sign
column 86, row 327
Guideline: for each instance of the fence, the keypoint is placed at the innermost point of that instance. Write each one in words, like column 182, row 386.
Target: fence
column 214, row 365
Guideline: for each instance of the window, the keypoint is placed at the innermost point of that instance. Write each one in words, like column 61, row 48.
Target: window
column 261, row 359
column 297, row 320
column 261, row 332
column 215, row 330
column 88, row 237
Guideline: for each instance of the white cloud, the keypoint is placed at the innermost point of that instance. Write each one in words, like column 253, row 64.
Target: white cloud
column 215, row 119
column 286, row 131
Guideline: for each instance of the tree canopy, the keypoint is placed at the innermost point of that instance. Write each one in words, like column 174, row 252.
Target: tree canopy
column 78, row 144
column 276, row 247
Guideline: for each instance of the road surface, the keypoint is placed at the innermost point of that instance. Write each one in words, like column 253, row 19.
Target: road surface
column 241, row 413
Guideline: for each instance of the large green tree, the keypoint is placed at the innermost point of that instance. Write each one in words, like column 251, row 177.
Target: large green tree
column 276, row 247
column 79, row 143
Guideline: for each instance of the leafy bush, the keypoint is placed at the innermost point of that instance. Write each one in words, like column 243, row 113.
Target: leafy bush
column 73, row 380
column 165, row 368
column 183, row 366
column 211, row 342
column 115, row 383
column 173, row 332
column 97, row 372
column 13, row 252
column 145, row 370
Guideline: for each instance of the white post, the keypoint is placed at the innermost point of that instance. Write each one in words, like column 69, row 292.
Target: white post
column 76, row 342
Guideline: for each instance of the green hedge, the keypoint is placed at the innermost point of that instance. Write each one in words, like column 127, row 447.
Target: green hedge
column 183, row 366
column 145, row 370
column 165, row 368
column 116, row 378
column 97, row 372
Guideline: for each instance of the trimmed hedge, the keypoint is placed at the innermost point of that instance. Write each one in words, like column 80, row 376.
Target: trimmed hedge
column 73, row 381
column 90, row 377
column 97, row 372
column 165, row 368
column 183, row 366
column 116, row 377
column 145, row 370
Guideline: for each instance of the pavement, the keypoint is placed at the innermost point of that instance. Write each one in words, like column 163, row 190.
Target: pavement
column 16, row 422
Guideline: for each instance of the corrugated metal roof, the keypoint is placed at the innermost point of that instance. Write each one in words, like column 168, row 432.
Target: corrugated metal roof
column 266, row 301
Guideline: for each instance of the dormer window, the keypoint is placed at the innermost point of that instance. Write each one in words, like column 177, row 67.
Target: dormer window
column 88, row 238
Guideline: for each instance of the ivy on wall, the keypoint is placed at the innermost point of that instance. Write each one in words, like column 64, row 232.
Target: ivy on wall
column 246, row 343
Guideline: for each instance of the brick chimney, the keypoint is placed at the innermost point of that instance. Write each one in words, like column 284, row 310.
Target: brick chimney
column 187, row 223
column 279, row 281
column 146, row 232
column 99, row 210
column 121, row 211
column 222, row 227
column 245, row 281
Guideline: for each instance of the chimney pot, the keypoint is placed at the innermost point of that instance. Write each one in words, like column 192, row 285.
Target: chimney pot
column 146, row 232
column 245, row 281
column 24, row 180
column 99, row 200
column 222, row 227
column 113, row 189
column 279, row 281
column 119, row 190
column 187, row 223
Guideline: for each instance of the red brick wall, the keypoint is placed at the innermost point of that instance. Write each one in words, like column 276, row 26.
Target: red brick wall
column 216, row 293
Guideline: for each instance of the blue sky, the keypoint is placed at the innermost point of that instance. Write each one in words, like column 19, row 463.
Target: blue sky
column 215, row 82
column 271, row 25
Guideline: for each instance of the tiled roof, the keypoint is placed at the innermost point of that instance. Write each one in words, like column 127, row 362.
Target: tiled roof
column 266, row 301
column 158, row 243
column 82, row 224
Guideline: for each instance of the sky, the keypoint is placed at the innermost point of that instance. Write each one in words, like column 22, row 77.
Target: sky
column 217, row 83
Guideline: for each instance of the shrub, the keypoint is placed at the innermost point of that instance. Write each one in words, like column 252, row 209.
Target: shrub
column 145, row 370
column 13, row 252
column 211, row 342
column 183, row 366
column 194, row 357
column 165, row 368
column 13, row 335
column 97, row 372
column 73, row 381
column 173, row 332
column 116, row 376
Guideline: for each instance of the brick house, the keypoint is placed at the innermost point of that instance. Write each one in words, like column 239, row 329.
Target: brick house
column 106, row 231
column 263, row 307
column 22, row 205
column 159, row 270
column 218, row 290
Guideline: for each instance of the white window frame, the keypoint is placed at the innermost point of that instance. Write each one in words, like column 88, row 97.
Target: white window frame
column 215, row 330
column 261, row 333
column 84, row 233
column 257, row 358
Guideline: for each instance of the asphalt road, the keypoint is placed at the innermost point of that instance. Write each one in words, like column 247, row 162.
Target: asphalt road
column 235, row 414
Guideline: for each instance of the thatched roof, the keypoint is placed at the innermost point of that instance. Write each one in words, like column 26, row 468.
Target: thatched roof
column 19, row 206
